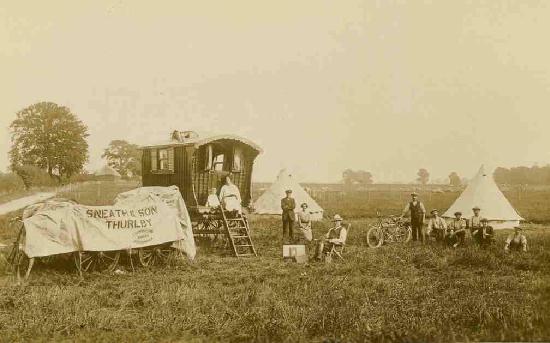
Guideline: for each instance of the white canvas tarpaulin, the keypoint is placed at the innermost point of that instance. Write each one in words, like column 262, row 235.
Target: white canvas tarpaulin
column 138, row 219
column 171, row 196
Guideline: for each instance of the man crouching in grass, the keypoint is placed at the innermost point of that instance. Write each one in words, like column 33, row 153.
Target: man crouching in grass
column 516, row 241
column 484, row 234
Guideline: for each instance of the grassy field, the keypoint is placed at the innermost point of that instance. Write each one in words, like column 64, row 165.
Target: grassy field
column 395, row 293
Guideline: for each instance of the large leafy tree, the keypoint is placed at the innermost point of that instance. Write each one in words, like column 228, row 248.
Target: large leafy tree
column 123, row 157
column 50, row 137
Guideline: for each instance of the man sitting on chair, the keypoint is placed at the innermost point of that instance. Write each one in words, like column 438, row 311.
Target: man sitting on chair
column 336, row 236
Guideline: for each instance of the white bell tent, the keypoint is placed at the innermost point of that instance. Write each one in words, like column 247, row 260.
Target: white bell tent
column 270, row 201
column 482, row 191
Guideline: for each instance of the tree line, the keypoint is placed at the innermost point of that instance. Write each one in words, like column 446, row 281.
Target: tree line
column 362, row 177
column 534, row 175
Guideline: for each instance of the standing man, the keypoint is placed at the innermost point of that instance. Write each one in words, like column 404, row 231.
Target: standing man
column 418, row 215
column 288, row 204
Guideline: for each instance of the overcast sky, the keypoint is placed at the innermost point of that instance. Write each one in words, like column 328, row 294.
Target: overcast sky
column 385, row 86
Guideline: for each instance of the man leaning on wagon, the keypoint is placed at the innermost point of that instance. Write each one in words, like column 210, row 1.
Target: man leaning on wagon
column 418, row 214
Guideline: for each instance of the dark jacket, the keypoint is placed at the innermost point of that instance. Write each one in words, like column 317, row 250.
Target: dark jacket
column 288, row 205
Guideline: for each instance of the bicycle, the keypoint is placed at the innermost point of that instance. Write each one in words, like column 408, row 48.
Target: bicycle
column 391, row 229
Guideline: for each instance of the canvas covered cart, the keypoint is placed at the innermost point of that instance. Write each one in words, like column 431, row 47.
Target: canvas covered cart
column 150, row 224
column 196, row 163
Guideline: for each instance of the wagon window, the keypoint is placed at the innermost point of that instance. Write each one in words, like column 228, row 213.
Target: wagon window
column 162, row 160
column 217, row 162
column 237, row 159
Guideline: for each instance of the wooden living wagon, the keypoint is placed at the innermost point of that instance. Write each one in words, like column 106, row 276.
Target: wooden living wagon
column 196, row 163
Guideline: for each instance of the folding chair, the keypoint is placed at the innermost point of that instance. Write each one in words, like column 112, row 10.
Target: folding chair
column 338, row 249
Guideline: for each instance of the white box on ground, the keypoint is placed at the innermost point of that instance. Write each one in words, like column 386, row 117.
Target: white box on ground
column 294, row 252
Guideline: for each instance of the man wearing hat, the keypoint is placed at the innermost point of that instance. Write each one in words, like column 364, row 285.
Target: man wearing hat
column 288, row 204
column 516, row 241
column 483, row 235
column 336, row 235
column 437, row 226
column 456, row 231
column 474, row 223
column 418, row 214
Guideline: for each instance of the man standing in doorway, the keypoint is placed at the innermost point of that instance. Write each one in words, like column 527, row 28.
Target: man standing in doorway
column 418, row 214
column 288, row 204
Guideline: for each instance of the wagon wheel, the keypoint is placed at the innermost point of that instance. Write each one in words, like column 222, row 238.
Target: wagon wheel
column 102, row 261
column 21, row 264
column 156, row 255
column 19, row 261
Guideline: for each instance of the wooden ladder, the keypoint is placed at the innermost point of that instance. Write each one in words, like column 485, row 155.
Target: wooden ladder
column 238, row 234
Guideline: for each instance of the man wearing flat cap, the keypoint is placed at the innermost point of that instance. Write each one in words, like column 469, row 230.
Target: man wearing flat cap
column 418, row 215
column 437, row 226
column 483, row 235
column 456, row 231
column 288, row 204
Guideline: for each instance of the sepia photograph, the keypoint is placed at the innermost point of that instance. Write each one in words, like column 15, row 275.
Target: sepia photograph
column 275, row 171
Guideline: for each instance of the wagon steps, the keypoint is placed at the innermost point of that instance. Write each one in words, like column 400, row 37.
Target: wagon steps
column 238, row 233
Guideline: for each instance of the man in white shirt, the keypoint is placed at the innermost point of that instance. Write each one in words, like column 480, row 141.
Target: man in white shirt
column 437, row 226
column 516, row 241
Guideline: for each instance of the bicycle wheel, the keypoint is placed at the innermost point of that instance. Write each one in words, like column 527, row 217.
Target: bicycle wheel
column 403, row 234
column 375, row 237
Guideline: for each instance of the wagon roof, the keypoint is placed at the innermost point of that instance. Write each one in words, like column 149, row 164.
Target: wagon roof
column 201, row 138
